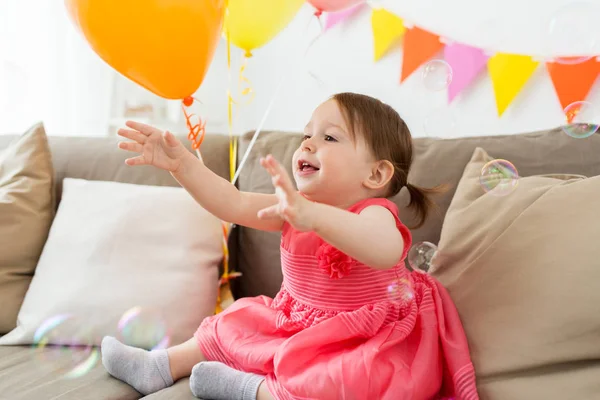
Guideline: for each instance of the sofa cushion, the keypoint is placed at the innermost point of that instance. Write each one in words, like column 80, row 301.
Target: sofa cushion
column 436, row 161
column 523, row 272
column 132, row 261
column 26, row 212
column 34, row 374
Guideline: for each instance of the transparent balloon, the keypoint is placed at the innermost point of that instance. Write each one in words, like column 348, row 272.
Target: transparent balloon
column 400, row 290
column 420, row 256
column 580, row 118
column 499, row 177
column 437, row 75
column 144, row 328
column 64, row 344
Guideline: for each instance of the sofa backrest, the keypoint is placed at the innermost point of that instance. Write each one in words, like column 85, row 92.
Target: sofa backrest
column 436, row 161
column 255, row 253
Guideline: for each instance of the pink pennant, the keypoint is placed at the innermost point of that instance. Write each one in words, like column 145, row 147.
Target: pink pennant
column 466, row 62
column 333, row 18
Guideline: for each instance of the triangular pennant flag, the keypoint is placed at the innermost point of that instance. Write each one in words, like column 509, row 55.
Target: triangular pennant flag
column 466, row 63
column 334, row 18
column 387, row 29
column 573, row 82
column 419, row 46
column 509, row 73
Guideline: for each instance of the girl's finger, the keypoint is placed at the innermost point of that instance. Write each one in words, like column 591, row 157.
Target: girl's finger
column 133, row 135
column 139, row 160
column 269, row 212
column 131, row 146
column 267, row 165
column 284, row 182
column 143, row 128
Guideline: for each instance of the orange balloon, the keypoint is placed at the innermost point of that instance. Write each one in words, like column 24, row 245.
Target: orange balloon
column 165, row 46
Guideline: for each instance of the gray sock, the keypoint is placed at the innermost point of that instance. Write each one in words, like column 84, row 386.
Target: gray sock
column 146, row 371
column 216, row 381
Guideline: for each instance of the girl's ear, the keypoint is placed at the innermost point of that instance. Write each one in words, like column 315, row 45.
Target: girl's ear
column 381, row 174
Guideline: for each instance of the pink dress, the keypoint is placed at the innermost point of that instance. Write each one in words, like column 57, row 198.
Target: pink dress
column 339, row 330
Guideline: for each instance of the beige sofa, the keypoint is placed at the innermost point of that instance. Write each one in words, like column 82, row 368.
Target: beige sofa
column 256, row 254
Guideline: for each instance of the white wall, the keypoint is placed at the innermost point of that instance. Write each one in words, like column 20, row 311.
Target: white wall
column 342, row 58
column 48, row 72
column 72, row 94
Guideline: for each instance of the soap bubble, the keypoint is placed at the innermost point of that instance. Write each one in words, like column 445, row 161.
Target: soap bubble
column 420, row 256
column 65, row 344
column 400, row 290
column 437, row 75
column 579, row 116
column 572, row 32
column 145, row 328
column 499, row 177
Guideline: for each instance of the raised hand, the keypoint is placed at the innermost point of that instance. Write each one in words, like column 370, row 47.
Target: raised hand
column 292, row 207
column 157, row 148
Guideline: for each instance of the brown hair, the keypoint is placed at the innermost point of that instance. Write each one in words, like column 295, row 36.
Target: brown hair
column 388, row 138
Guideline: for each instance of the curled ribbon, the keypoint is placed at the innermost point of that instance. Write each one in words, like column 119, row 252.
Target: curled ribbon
column 196, row 129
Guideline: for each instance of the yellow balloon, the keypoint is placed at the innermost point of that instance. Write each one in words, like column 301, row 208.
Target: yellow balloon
column 253, row 23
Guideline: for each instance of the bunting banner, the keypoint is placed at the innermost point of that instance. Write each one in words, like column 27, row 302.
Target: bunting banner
column 419, row 46
column 467, row 63
column 509, row 73
column 387, row 29
column 572, row 82
column 334, row 18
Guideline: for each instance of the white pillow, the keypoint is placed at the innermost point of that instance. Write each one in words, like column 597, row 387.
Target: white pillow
column 116, row 246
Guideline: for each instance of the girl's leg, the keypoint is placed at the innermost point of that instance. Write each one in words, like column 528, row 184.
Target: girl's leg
column 149, row 371
column 263, row 392
column 183, row 357
column 213, row 380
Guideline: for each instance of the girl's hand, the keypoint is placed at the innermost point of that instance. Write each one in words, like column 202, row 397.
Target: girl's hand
column 156, row 147
column 292, row 207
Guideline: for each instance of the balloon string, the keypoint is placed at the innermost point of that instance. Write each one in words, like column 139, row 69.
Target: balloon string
column 272, row 101
column 196, row 131
column 226, row 226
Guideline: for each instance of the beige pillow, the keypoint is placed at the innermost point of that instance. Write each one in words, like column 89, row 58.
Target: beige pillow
column 26, row 212
column 116, row 247
column 524, row 272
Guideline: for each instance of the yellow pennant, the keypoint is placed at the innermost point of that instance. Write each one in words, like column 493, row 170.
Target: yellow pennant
column 509, row 73
column 387, row 28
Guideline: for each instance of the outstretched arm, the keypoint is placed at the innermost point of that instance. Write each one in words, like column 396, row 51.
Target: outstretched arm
column 370, row 237
column 222, row 199
column 215, row 194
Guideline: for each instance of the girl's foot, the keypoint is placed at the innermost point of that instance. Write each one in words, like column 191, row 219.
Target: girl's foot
column 146, row 371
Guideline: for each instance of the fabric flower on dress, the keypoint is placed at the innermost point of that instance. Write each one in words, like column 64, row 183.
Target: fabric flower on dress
column 335, row 263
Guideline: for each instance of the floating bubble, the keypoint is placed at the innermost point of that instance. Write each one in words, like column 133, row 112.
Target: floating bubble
column 420, row 256
column 579, row 116
column 144, row 328
column 400, row 290
column 64, row 344
column 572, row 32
column 437, row 75
column 499, row 177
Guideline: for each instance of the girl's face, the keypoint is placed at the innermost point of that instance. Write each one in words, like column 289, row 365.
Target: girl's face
column 329, row 166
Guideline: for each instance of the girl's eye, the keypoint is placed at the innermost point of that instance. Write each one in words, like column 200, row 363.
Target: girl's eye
column 330, row 138
column 306, row 137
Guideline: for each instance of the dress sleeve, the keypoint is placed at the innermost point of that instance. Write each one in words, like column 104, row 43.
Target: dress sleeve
column 404, row 231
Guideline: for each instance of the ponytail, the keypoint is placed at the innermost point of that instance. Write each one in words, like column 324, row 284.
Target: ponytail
column 420, row 201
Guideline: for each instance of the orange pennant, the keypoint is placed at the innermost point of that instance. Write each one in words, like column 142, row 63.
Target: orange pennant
column 573, row 82
column 419, row 46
